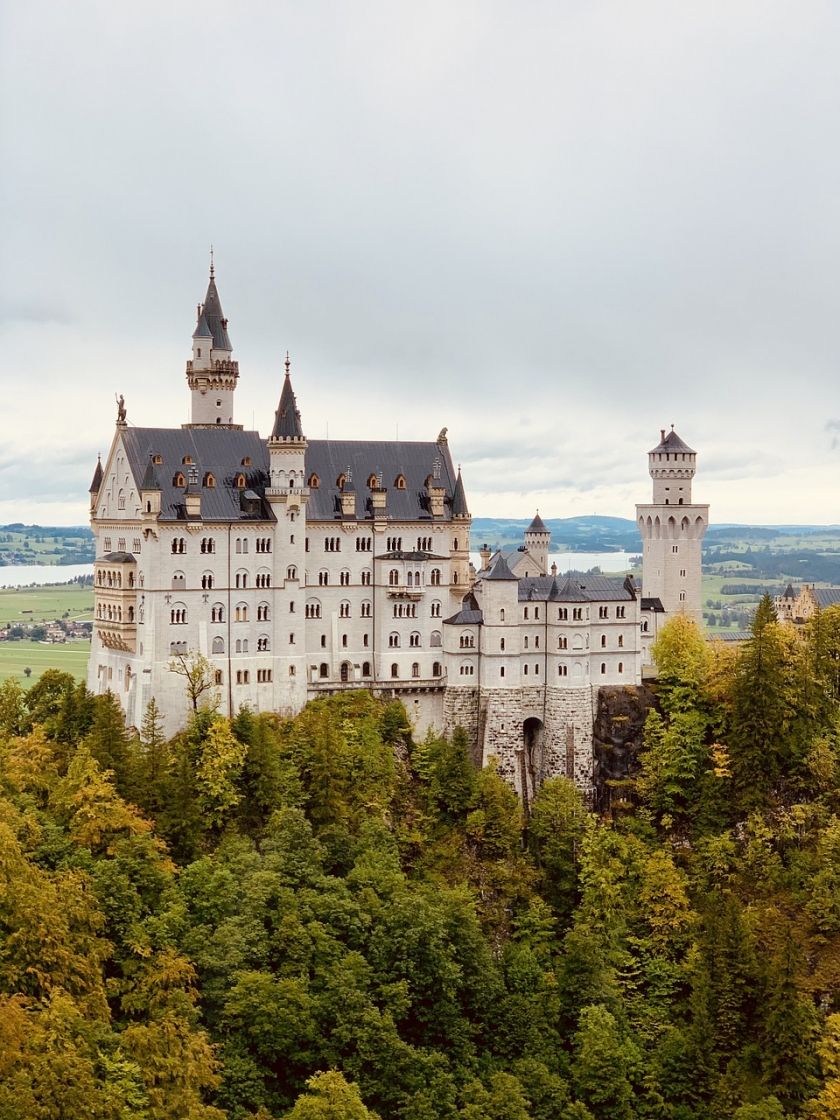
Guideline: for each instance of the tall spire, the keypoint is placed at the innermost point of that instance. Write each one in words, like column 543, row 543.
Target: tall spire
column 287, row 423
column 96, row 484
column 214, row 316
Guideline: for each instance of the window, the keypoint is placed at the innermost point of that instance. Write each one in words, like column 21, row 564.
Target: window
column 121, row 544
column 263, row 613
column 435, row 608
column 263, row 544
column 218, row 645
column 562, row 643
column 435, row 639
column 178, row 615
column 179, row 545
column 344, row 578
column 536, row 670
column 436, row 669
column 314, row 482
column 682, row 572
column 393, row 578
column 395, row 670
column 603, row 668
column 366, row 609
column 242, row 579
column 577, row 614
column 502, row 671
column 645, row 626
column 262, row 644
column 621, row 641
column 208, row 545
column 602, row 612
column 323, row 641
column 179, row 581
column 619, row 612
column 187, row 460
column 621, row 666
column 525, row 670
column 241, row 614
column 502, row 645
column 344, row 641
column 323, row 670
column 536, row 613
column 344, row 609
column 291, row 574
column 365, row 640
column 415, row 668
column 603, row 641
column 177, row 647
column 292, row 671
column 435, row 577
column 243, row 676
column 525, row 614
column 323, row 578
column 365, row 668
column 394, row 641
column 366, row 578
column 263, row 676
column 467, row 641
column 106, row 544
column 562, row 670
column 502, row 615
column 537, row 642
column 414, row 639
column 136, row 545
column 675, row 548
column 217, row 613
column 313, row 609
column 682, row 596
column 240, row 482
column 399, row 482
column 210, row 481
column 525, row 642
column 207, row 581
column 179, row 481
column 562, row 614
column 217, row 676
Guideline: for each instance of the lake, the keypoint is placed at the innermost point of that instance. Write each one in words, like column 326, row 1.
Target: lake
column 22, row 575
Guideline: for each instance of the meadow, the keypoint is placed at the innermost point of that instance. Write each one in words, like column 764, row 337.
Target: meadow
column 15, row 657
column 21, row 605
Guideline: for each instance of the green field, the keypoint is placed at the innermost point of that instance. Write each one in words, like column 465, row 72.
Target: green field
column 17, row 656
column 45, row 604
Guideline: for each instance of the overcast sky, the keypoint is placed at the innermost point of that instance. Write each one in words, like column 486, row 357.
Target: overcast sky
column 552, row 227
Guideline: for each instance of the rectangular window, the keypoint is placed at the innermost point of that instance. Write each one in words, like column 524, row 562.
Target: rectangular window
column 106, row 544
column 136, row 545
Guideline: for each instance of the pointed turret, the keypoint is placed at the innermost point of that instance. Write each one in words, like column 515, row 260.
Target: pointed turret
column 150, row 490
column 287, row 447
column 287, row 423
column 459, row 498
column 214, row 316
column 537, row 542
column 96, row 483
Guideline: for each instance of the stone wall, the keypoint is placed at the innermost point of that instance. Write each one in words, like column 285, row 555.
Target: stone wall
column 618, row 736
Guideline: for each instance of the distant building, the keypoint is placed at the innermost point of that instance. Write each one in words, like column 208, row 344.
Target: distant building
column 300, row 567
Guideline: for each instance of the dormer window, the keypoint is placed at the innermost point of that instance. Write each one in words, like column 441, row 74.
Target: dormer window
column 240, row 482
column 373, row 482
column 187, row 460
column 157, row 460
column 246, row 462
column 210, row 481
column 341, row 480
column 314, row 481
column 399, row 482
column 179, row 480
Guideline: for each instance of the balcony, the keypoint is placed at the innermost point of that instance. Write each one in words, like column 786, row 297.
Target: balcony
column 402, row 591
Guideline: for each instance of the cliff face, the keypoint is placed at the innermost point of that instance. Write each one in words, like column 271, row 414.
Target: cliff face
column 618, row 736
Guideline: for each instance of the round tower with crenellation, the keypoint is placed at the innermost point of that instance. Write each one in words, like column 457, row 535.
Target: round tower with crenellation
column 672, row 529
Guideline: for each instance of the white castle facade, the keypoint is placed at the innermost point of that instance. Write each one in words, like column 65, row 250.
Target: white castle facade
column 300, row 567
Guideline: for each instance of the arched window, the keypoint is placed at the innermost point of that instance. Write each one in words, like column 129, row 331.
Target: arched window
column 313, row 609
column 314, row 481
column 435, row 577
column 242, row 578
column 179, row 581
column 436, row 669
column 179, row 481
column 394, row 641
column 291, row 573
column 210, row 481
column 603, row 641
column 415, row 668
column 207, row 581
column 323, row 578
column 344, row 578
column 435, row 639
column 399, row 482
column 344, row 609
column 621, row 666
column 341, row 481
column 263, row 612
column 262, row 643
column 502, row 645
column 366, row 609
column 241, row 613
column 621, row 641
column 603, row 668
column 217, row 613
column 468, row 641
column 218, row 645
column 323, row 669
column 435, row 608
column 365, row 668
column 393, row 578
column 240, row 482
column 502, row 615
column 367, row 578
column 414, row 639
column 395, row 670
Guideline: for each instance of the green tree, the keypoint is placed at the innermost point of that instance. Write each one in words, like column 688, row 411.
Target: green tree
column 603, row 1066
column 330, row 1097
column 198, row 676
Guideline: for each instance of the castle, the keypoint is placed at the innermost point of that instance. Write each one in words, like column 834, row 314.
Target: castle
column 300, row 567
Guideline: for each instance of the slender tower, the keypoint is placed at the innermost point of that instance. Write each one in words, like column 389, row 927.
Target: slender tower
column 212, row 373
column 672, row 529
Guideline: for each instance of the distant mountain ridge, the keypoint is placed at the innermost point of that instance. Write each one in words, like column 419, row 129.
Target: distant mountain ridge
column 595, row 533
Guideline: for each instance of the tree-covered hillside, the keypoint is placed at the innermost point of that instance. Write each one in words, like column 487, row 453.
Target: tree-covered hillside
column 320, row 918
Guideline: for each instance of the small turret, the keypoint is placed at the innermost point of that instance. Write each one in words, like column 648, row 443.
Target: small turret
column 672, row 465
column 287, row 446
column 348, row 495
column 192, row 495
column 537, row 543
column 96, row 484
column 150, row 491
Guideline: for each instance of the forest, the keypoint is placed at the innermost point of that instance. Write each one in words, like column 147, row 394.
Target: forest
column 320, row 918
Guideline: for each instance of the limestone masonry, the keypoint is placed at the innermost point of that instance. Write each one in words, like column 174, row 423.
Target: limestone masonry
column 300, row 567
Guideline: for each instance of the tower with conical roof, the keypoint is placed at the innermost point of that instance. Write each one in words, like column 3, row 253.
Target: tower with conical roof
column 672, row 527
column 212, row 373
column 537, row 542
column 461, row 522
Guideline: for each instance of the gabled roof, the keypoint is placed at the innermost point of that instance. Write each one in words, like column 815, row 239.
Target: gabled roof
column 574, row 587
column 470, row 613
column 826, row 596
column 459, row 498
column 537, row 525
column 220, row 452
column 287, row 417
column 213, row 314
column 96, row 483
column 568, row 591
column 672, row 442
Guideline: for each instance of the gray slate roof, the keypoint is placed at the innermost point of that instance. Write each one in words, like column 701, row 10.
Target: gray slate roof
column 500, row 570
column 537, row 525
column 653, row 604
column 789, row 593
column 672, row 442
column 217, row 450
column 202, row 330
column 576, row 587
column 459, row 498
column 414, row 461
column 470, row 613
column 826, row 596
